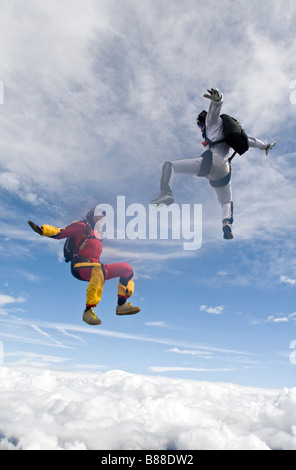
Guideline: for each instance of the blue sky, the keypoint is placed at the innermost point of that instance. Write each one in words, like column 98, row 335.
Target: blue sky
column 97, row 95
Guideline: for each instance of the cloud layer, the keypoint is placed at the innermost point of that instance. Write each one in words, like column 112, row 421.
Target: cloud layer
column 121, row 411
column 97, row 98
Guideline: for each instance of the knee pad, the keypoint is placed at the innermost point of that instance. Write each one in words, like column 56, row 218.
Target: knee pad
column 126, row 287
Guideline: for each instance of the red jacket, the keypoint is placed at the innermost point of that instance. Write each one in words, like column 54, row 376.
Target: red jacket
column 92, row 248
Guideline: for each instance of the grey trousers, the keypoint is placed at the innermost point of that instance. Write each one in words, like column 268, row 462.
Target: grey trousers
column 215, row 169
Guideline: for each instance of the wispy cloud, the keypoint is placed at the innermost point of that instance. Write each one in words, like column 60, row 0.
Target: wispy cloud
column 192, row 352
column 161, row 324
column 44, row 333
column 8, row 299
column 212, row 310
column 288, row 280
column 68, row 330
column 35, row 359
column 185, row 369
column 274, row 319
column 78, row 115
column 282, row 318
column 66, row 333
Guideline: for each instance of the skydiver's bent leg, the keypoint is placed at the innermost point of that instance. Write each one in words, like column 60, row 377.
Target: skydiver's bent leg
column 126, row 286
column 95, row 275
column 190, row 166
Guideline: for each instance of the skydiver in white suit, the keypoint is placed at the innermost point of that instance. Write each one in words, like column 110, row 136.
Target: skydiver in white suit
column 214, row 163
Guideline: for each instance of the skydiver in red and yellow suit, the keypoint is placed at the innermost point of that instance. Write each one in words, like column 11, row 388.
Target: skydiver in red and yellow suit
column 86, row 266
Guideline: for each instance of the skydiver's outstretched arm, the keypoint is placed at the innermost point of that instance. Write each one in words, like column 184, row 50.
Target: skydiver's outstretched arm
column 260, row 144
column 216, row 101
column 75, row 228
column 35, row 227
column 45, row 230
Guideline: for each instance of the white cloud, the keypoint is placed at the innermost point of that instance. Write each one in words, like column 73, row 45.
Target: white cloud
column 44, row 333
column 9, row 181
column 8, row 299
column 277, row 319
column 161, row 324
column 97, row 97
column 184, row 369
column 192, row 352
column 212, row 310
column 64, row 329
column 110, row 90
column 35, row 359
column 288, row 280
column 49, row 410
column 282, row 318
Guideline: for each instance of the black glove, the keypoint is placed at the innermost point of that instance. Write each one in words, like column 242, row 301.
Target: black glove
column 35, row 227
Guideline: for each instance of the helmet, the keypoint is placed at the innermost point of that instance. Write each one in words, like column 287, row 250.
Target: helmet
column 95, row 211
column 201, row 118
column 89, row 216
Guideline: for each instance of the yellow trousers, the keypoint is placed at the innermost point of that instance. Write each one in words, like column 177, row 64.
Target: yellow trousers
column 96, row 274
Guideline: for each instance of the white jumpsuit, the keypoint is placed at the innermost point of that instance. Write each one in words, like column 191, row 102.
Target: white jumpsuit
column 220, row 159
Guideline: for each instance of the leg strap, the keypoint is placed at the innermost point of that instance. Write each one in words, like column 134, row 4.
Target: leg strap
column 222, row 181
column 206, row 164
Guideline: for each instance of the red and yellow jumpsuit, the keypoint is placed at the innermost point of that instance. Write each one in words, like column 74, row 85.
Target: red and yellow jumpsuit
column 87, row 267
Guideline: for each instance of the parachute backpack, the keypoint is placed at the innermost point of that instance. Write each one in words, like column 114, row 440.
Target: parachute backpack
column 70, row 248
column 234, row 134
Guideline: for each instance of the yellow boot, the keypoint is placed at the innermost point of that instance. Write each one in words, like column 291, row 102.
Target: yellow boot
column 90, row 317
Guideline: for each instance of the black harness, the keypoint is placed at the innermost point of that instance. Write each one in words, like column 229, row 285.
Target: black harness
column 207, row 161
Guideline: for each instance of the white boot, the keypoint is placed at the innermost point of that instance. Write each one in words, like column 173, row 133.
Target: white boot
column 227, row 229
column 166, row 199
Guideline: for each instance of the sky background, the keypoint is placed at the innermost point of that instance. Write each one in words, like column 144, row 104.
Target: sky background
column 97, row 96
